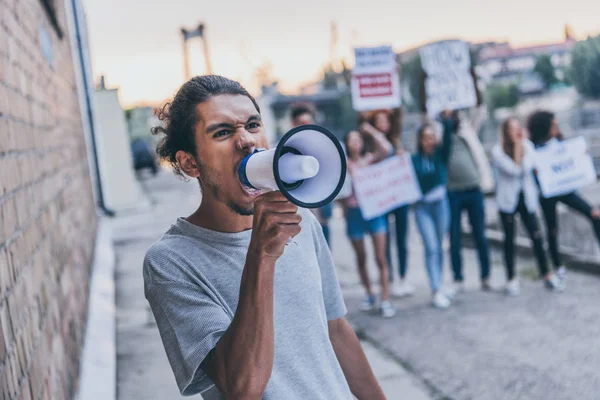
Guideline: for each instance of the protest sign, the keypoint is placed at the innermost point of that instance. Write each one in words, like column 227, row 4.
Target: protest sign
column 448, row 83
column 563, row 167
column 450, row 90
column 441, row 56
column 373, row 59
column 385, row 186
column 375, row 83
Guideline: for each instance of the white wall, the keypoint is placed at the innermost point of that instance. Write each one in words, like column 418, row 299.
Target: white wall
column 122, row 190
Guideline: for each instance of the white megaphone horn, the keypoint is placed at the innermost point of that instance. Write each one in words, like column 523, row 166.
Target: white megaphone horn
column 308, row 167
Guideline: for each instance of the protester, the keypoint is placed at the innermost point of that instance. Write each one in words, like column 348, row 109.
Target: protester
column 388, row 123
column 431, row 212
column 304, row 114
column 242, row 315
column 356, row 225
column 517, row 193
column 468, row 171
column 543, row 128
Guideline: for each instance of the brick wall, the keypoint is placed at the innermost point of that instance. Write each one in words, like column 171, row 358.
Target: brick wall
column 47, row 217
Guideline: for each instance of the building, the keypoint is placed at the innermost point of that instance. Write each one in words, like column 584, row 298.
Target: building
column 48, row 215
column 509, row 65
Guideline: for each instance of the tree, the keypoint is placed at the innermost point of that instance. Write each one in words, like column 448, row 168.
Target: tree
column 585, row 67
column 545, row 69
column 500, row 96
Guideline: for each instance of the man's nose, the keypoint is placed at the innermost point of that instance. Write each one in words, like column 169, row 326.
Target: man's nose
column 246, row 141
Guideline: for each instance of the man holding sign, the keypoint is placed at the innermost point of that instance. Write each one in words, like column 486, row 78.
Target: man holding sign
column 562, row 167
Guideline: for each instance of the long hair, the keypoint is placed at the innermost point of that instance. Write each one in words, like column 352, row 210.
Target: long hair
column 420, row 133
column 505, row 141
column 395, row 119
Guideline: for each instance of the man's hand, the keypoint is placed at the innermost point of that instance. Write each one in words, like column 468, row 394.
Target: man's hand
column 276, row 221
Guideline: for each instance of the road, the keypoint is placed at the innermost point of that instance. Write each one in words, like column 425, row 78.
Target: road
column 539, row 345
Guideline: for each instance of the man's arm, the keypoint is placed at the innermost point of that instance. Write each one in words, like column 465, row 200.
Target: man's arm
column 242, row 361
column 353, row 361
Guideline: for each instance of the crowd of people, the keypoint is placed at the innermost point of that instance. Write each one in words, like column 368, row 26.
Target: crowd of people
column 453, row 173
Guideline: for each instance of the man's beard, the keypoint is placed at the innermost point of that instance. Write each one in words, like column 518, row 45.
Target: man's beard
column 208, row 182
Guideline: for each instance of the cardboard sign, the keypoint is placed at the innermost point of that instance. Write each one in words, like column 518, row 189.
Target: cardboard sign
column 375, row 82
column 441, row 56
column 563, row 167
column 374, row 58
column 385, row 186
column 449, row 83
column 451, row 90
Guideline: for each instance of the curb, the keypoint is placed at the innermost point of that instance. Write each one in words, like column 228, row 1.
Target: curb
column 523, row 248
column 98, row 368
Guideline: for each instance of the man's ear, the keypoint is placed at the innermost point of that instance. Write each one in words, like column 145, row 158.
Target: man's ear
column 188, row 164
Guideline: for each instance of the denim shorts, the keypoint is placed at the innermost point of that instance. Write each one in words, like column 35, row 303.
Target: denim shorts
column 356, row 226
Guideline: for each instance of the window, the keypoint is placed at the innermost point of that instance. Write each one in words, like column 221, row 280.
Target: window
column 50, row 8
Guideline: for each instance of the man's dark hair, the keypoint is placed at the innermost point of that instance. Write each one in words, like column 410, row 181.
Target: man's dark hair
column 538, row 125
column 301, row 109
column 179, row 117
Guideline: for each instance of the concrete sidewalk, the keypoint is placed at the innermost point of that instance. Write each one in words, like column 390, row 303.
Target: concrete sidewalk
column 539, row 345
column 142, row 366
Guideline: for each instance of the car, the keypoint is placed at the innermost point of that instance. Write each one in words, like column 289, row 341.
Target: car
column 143, row 156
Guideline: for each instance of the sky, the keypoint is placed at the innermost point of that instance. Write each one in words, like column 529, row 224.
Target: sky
column 138, row 47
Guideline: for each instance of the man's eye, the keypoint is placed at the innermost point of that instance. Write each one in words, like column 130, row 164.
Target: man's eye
column 221, row 133
column 253, row 125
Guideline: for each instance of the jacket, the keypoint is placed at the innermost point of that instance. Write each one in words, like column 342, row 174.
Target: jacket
column 514, row 179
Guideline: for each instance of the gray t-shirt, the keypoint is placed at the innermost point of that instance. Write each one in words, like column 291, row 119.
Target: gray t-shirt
column 192, row 279
column 462, row 168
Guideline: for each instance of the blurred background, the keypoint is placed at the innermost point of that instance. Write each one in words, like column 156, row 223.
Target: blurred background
column 83, row 195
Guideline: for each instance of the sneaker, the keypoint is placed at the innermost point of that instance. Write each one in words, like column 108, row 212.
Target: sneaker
column 387, row 309
column 368, row 303
column 554, row 284
column 485, row 286
column 456, row 288
column 561, row 273
column 402, row 289
column 513, row 288
column 450, row 292
column 440, row 300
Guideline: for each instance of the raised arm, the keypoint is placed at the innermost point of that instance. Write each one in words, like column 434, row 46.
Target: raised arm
column 242, row 361
column 383, row 148
column 448, row 131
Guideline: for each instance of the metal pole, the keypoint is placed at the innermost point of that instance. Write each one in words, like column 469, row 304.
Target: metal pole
column 186, row 57
column 206, row 54
column 88, row 102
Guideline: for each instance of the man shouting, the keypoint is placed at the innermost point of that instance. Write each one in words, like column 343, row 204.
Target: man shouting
column 242, row 315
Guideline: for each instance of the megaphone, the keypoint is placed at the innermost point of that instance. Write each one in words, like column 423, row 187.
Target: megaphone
column 308, row 167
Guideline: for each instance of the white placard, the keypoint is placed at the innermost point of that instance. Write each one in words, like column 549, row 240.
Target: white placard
column 373, row 91
column 451, row 89
column 563, row 167
column 441, row 56
column 375, row 81
column 369, row 59
column 385, row 186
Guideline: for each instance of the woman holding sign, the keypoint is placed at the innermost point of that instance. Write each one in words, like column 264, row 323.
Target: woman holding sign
column 432, row 211
column 543, row 128
column 516, row 192
column 356, row 226
column 388, row 123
